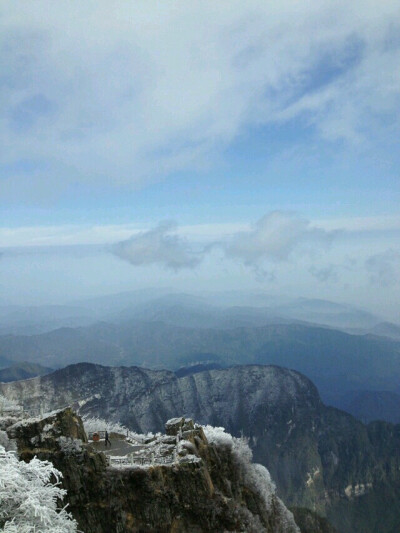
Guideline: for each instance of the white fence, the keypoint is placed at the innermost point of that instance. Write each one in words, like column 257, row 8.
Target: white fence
column 130, row 460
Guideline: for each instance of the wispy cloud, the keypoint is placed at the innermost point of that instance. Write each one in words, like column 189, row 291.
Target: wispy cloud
column 102, row 94
column 82, row 234
column 70, row 234
column 264, row 247
column 283, row 251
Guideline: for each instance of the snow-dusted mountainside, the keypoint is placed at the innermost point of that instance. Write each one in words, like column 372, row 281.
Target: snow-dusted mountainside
column 142, row 399
column 320, row 458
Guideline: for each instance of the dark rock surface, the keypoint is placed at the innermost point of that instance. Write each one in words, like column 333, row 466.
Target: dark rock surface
column 49, row 434
column 310, row 522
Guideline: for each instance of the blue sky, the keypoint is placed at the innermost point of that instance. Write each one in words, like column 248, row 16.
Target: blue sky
column 240, row 122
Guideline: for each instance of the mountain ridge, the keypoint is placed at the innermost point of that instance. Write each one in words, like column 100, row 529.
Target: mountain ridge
column 335, row 360
column 320, row 457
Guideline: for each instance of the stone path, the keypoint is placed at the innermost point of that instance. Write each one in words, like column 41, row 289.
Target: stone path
column 118, row 447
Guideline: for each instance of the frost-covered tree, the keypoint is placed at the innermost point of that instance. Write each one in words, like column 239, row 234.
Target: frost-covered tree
column 29, row 496
column 255, row 476
column 6, row 443
column 99, row 424
column 9, row 406
column 92, row 424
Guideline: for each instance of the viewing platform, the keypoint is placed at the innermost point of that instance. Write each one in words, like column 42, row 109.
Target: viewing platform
column 173, row 447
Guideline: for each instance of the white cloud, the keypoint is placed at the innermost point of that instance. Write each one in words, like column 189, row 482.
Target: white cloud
column 201, row 234
column 354, row 224
column 283, row 252
column 157, row 246
column 275, row 237
column 128, row 92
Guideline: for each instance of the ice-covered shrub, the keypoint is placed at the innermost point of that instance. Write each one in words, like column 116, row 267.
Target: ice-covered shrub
column 255, row 476
column 185, row 446
column 9, row 406
column 70, row 445
column 92, row 424
column 6, row 443
column 29, row 497
column 218, row 435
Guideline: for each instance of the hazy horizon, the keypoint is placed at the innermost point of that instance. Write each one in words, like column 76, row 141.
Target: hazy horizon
column 201, row 147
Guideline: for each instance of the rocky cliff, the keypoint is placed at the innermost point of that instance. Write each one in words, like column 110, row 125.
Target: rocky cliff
column 211, row 488
column 319, row 457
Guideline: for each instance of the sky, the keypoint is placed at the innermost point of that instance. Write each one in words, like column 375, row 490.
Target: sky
column 200, row 145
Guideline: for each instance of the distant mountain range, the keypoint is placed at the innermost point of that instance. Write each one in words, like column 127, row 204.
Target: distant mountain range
column 321, row 458
column 354, row 352
column 336, row 361
column 386, row 329
column 371, row 405
column 23, row 370
column 220, row 310
column 31, row 320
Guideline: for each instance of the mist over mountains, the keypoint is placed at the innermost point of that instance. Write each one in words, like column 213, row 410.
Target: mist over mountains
column 336, row 360
column 153, row 329
column 222, row 309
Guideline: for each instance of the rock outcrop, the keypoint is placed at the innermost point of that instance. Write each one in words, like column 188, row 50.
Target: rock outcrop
column 211, row 488
column 56, row 432
column 320, row 458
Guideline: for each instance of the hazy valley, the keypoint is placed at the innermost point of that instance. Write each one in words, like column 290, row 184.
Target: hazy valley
column 356, row 372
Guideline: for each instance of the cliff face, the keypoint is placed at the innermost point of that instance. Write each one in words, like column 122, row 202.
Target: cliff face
column 212, row 487
column 143, row 399
column 319, row 457
column 310, row 522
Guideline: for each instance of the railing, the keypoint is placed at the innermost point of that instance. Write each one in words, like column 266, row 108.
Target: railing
column 130, row 460
column 101, row 434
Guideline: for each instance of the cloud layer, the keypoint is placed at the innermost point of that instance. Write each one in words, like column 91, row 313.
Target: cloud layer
column 281, row 252
column 129, row 92
column 157, row 246
column 272, row 239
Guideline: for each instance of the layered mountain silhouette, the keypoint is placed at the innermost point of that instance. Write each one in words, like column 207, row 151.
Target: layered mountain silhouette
column 336, row 361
